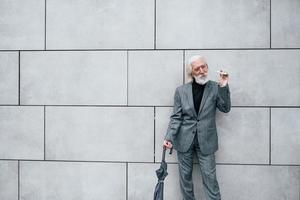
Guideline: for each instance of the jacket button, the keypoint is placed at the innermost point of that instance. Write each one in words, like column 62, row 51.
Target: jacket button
column 198, row 120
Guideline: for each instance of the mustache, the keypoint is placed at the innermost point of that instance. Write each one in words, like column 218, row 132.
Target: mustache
column 201, row 76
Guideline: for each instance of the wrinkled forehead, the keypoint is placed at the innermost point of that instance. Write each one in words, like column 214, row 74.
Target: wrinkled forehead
column 198, row 62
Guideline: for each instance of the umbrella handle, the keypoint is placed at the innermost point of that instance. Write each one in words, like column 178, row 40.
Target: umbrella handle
column 164, row 152
column 171, row 150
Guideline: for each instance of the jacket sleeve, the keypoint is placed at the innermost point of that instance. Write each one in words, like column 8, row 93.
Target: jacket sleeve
column 223, row 99
column 175, row 119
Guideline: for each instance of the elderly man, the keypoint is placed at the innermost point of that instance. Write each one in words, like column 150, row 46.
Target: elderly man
column 192, row 127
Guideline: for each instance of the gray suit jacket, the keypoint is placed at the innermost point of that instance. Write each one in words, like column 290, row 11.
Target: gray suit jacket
column 184, row 120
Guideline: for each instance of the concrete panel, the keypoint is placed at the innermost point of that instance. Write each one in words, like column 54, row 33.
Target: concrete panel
column 69, row 181
column 259, row 182
column 92, row 24
column 9, row 77
column 21, row 132
column 285, row 126
column 22, row 24
column 285, row 23
column 243, row 136
column 201, row 24
column 266, row 182
column 254, row 75
column 162, row 118
column 100, row 133
column 153, row 77
column 73, row 78
column 9, row 180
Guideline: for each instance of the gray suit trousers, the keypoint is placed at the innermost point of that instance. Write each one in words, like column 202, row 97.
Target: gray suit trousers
column 208, row 172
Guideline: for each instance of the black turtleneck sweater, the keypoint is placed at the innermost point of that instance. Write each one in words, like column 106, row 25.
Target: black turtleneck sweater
column 197, row 94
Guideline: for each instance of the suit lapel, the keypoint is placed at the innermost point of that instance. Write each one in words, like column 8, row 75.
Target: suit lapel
column 190, row 98
column 206, row 92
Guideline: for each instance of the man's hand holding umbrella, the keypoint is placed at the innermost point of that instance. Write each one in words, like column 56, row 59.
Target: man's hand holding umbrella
column 168, row 144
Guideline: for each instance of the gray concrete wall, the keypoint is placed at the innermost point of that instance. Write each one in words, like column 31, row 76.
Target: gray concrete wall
column 87, row 91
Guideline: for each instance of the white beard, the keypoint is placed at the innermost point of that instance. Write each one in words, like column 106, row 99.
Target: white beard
column 201, row 79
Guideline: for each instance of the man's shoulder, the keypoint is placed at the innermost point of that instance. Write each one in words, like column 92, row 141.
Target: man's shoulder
column 213, row 83
column 183, row 86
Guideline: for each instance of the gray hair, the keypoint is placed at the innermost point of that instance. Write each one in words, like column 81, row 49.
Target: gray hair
column 189, row 65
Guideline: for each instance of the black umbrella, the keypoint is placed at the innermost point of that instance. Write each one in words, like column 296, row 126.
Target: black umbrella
column 161, row 174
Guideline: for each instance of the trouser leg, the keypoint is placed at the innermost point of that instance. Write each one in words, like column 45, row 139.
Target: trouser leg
column 185, row 166
column 209, row 176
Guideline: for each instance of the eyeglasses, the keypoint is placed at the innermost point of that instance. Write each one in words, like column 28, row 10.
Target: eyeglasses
column 197, row 68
